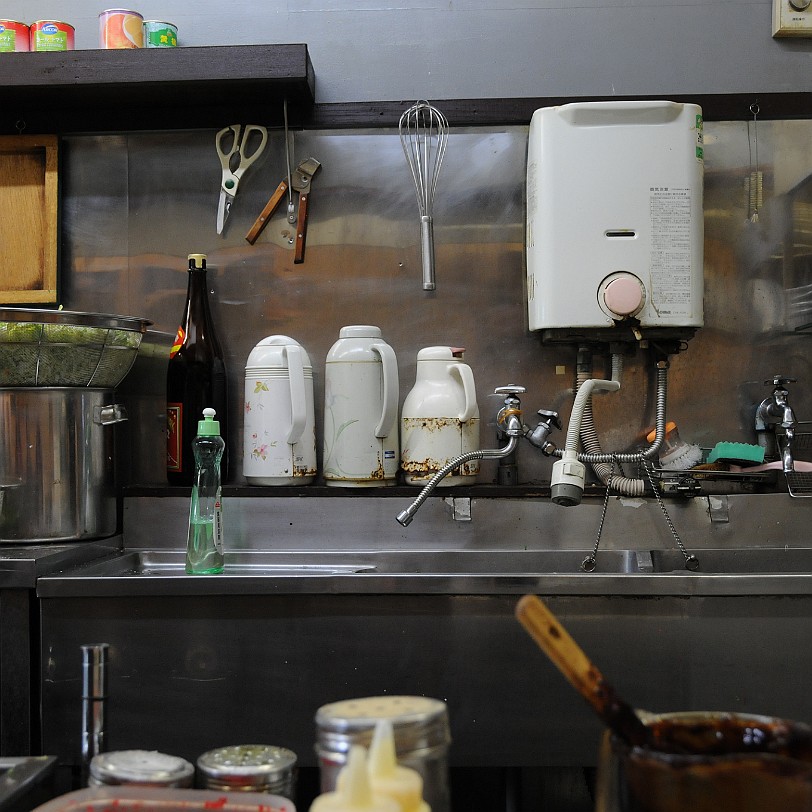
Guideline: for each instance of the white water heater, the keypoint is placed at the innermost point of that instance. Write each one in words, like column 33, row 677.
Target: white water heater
column 614, row 216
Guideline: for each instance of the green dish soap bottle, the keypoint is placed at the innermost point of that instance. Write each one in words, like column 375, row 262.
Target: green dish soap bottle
column 204, row 547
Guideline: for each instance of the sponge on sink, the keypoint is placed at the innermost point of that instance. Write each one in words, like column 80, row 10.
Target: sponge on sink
column 738, row 453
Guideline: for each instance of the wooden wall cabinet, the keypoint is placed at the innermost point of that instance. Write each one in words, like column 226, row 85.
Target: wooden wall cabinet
column 29, row 221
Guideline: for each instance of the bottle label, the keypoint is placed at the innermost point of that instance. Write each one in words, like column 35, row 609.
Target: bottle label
column 180, row 337
column 218, row 523
column 174, row 436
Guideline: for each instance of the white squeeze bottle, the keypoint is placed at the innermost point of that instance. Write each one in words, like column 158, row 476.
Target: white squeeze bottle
column 204, row 546
column 389, row 779
column 353, row 792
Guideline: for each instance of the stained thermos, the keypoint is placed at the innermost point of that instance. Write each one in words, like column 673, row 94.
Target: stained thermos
column 279, row 434
column 361, row 394
column 195, row 379
column 440, row 418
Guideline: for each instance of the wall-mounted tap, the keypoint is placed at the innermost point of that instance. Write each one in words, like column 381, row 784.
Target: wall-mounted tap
column 509, row 425
column 775, row 411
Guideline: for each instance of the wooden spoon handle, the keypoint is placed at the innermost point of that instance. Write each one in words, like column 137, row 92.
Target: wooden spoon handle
column 582, row 674
column 556, row 643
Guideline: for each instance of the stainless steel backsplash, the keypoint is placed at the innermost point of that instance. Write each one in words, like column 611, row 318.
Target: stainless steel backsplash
column 133, row 207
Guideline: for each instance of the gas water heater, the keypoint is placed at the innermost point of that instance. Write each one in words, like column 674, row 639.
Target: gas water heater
column 614, row 219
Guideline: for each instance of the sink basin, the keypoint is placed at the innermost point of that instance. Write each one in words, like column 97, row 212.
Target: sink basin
column 737, row 561
column 170, row 563
column 441, row 572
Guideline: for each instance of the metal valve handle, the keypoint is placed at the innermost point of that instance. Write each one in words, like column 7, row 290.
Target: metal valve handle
column 510, row 389
column 550, row 417
column 778, row 380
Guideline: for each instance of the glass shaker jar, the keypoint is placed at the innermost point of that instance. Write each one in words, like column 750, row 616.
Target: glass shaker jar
column 249, row 768
column 143, row 768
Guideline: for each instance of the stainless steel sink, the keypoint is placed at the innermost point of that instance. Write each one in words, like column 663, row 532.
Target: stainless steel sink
column 442, row 572
column 170, row 563
column 751, row 561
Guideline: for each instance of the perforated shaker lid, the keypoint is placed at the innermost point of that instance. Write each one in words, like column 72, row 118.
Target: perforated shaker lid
column 417, row 721
column 257, row 764
column 140, row 767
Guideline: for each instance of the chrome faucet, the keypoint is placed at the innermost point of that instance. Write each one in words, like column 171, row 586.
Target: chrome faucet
column 775, row 411
column 508, row 425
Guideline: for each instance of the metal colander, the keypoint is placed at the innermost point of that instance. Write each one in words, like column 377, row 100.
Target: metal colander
column 64, row 348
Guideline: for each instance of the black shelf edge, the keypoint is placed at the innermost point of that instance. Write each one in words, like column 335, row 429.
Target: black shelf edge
column 518, row 111
column 483, row 491
column 97, row 91
column 153, row 88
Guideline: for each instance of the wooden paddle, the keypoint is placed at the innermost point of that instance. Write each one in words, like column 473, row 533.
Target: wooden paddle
column 553, row 639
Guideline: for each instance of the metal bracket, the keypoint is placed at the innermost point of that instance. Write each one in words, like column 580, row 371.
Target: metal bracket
column 719, row 509
column 460, row 508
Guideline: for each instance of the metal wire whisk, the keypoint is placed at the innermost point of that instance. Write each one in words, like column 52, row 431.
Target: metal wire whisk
column 424, row 135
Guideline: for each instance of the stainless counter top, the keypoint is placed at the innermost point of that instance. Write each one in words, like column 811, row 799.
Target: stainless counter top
column 21, row 565
column 751, row 571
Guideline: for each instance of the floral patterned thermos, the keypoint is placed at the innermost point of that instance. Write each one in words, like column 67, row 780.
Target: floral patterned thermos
column 279, row 434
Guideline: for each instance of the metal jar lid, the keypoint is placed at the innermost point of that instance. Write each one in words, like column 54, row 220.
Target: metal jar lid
column 247, row 766
column 418, row 723
column 140, row 767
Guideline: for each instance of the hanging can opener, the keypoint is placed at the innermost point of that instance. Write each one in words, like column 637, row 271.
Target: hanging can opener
column 300, row 182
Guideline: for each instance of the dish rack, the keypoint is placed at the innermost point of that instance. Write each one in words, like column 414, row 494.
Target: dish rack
column 690, row 482
column 799, row 483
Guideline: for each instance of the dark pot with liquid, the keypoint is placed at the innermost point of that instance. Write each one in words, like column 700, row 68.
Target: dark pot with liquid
column 708, row 762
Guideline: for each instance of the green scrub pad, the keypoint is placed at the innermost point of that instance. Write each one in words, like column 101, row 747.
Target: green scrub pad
column 737, row 453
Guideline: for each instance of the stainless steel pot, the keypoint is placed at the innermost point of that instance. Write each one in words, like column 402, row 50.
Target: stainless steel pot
column 57, row 473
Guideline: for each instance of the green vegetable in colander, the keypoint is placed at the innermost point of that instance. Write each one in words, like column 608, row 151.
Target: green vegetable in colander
column 12, row 332
column 74, row 334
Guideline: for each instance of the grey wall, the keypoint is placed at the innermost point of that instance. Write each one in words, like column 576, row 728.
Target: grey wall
column 381, row 50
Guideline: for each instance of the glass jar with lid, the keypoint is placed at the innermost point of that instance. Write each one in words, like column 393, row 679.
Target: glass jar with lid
column 249, row 768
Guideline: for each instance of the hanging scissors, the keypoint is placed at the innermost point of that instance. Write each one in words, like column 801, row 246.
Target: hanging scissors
column 232, row 174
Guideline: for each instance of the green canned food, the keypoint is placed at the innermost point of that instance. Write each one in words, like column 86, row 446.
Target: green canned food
column 160, row 34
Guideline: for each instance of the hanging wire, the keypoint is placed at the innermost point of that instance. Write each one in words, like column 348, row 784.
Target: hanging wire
column 591, row 561
column 291, row 213
column 754, row 183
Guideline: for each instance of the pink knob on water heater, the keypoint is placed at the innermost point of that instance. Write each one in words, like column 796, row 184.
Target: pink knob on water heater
column 623, row 295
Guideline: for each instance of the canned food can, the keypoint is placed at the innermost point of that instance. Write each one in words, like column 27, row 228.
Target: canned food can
column 51, row 35
column 160, row 34
column 13, row 36
column 121, row 28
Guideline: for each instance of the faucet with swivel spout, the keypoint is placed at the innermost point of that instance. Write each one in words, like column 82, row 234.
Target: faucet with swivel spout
column 776, row 411
column 509, row 424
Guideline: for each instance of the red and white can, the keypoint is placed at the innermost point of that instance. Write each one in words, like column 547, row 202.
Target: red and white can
column 13, row 36
column 121, row 28
column 51, row 35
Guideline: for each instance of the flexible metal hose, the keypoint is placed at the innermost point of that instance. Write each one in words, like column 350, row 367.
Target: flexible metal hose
column 405, row 516
column 627, row 486
column 601, row 461
column 659, row 432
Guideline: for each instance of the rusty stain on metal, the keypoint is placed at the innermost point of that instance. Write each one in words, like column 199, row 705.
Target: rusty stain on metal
column 429, row 467
column 430, row 423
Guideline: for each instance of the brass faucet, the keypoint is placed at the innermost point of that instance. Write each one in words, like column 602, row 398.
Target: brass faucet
column 509, row 424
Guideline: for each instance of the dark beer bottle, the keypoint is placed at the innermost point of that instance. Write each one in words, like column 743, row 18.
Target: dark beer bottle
column 195, row 379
